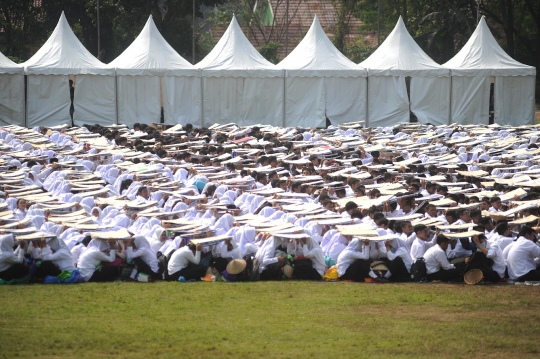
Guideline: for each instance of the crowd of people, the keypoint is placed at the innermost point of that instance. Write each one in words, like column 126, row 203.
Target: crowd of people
column 411, row 202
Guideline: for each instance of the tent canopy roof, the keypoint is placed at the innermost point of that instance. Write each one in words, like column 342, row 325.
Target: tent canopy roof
column 149, row 54
column 482, row 56
column 316, row 56
column 400, row 55
column 63, row 54
column 234, row 56
column 9, row 67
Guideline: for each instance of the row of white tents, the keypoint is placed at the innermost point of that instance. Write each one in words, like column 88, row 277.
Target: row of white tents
column 234, row 83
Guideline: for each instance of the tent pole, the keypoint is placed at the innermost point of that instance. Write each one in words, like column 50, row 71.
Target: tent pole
column 366, row 117
column 116, row 97
column 98, row 32
column 26, row 101
column 450, row 107
column 202, row 98
column 533, row 122
column 193, row 36
column 286, row 28
column 284, row 98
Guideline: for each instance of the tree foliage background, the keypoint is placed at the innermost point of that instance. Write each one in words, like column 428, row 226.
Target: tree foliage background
column 441, row 27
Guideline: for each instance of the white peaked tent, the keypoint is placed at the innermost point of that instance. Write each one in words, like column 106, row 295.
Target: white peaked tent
column 398, row 57
column 321, row 82
column 239, row 85
column 60, row 59
column 151, row 75
column 473, row 68
column 11, row 92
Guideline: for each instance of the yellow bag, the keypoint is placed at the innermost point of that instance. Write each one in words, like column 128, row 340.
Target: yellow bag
column 331, row 275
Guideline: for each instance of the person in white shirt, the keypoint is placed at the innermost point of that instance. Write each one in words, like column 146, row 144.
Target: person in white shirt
column 311, row 251
column 496, row 204
column 488, row 258
column 430, row 189
column 405, row 231
column 464, row 216
column 353, row 263
column 20, row 212
column 11, row 262
column 55, row 257
column 398, row 261
column 424, row 241
column 523, row 257
column 143, row 256
column 97, row 251
column 437, row 265
column 142, row 195
column 179, row 264
column 271, row 264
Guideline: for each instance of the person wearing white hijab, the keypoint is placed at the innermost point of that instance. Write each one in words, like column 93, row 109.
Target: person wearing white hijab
column 143, row 256
column 97, row 251
column 11, row 261
column 245, row 238
column 55, row 257
column 312, row 252
column 20, row 212
column 269, row 264
column 353, row 262
column 80, row 247
column 97, row 215
column 185, row 264
column 229, row 249
column 159, row 236
column 337, row 244
column 223, row 224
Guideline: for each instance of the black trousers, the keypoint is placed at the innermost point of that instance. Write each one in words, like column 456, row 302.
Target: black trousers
column 357, row 271
column 16, row 271
column 533, row 275
column 195, row 272
column 398, row 269
column 273, row 273
column 303, row 269
column 105, row 274
column 46, row 268
column 143, row 267
column 445, row 275
column 220, row 263
column 480, row 261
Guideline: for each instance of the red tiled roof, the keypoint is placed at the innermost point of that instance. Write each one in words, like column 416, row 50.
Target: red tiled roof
column 301, row 14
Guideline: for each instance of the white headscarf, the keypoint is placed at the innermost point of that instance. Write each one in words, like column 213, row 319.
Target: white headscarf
column 223, row 224
column 6, row 246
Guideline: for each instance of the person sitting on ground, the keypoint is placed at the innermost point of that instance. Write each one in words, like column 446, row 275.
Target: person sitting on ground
column 523, row 257
column 11, row 261
column 143, row 257
column 437, row 265
column 97, row 251
column 185, row 263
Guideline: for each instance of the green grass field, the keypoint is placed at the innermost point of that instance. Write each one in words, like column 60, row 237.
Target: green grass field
column 269, row 320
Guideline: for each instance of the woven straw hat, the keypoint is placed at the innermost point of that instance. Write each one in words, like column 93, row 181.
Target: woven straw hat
column 473, row 276
column 236, row 266
column 288, row 271
column 379, row 265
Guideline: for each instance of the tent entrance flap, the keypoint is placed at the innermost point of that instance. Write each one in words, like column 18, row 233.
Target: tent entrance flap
column 12, row 99
column 181, row 99
column 514, row 100
column 470, row 100
column 48, row 100
column 388, row 102
column 95, row 100
column 430, row 99
column 138, row 99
